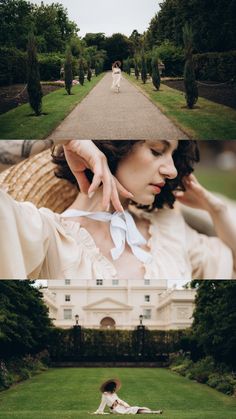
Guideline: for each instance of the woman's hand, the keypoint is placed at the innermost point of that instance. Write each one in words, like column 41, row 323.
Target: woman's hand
column 196, row 196
column 82, row 155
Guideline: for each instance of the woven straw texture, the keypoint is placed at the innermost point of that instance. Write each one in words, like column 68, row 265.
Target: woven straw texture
column 34, row 180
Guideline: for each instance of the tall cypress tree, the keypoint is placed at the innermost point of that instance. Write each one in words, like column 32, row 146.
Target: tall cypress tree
column 136, row 70
column 68, row 71
column 156, row 80
column 191, row 89
column 33, row 84
column 81, row 72
column 143, row 69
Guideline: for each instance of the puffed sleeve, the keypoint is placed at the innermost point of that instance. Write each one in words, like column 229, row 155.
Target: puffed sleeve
column 101, row 406
column 210, row 258
column 24, row 239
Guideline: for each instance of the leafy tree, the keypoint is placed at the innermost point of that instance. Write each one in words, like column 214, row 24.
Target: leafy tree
column 214, row 325
column 118, row 47
column 33, row 84
column 81, row 72
column 191, row 89
column 95, row 40
column 143, row 69
column 156, row 80
column 16, row 17
column 68, row 71
column 24, row 323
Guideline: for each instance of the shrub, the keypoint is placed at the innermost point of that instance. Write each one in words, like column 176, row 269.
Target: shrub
column 89, row 74
column 6, row 378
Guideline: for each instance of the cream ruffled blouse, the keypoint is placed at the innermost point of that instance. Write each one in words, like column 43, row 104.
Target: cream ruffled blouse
column 39, row 244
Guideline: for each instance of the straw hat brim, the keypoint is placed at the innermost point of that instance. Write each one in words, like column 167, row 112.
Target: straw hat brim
column 113, row 380
column 34, row 180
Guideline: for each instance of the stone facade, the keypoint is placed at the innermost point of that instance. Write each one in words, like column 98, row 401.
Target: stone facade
column 118, row 304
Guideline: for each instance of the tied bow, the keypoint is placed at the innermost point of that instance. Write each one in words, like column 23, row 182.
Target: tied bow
column 122, row 229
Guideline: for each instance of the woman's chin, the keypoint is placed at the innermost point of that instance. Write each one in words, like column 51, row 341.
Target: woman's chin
column 144, row 200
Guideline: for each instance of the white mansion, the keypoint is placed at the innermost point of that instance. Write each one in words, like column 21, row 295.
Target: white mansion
column 118, row 303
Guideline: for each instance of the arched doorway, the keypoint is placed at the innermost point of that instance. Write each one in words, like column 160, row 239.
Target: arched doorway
column 107, row 323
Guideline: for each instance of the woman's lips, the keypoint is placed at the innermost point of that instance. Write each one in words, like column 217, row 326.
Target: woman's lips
column 157, row 187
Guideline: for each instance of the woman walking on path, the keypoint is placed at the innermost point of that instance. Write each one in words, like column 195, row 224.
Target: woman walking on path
column 121, row 222
column 116, row 76
column 116, row 405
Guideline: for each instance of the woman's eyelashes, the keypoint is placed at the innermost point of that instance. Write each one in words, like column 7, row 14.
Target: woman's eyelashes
column 156, row 153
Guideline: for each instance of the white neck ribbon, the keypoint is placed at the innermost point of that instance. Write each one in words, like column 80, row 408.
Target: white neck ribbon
column 122, row 229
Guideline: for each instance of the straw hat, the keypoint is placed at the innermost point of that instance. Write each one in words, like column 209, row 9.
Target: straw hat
column 33, row 180
column 113, row 380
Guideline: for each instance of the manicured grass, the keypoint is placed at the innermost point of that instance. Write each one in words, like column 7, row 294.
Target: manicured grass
column 17, row 124
column 220, row 181
column 73, row 393
column 208, row 121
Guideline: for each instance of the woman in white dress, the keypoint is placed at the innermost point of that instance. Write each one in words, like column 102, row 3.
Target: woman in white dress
column 110, row 231
column 116, row 76
column 115, row 404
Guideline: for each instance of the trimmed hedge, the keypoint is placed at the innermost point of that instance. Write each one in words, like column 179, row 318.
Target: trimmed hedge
column 13, row 66
column 49, row 66
column 114, row 345
column 215, row 66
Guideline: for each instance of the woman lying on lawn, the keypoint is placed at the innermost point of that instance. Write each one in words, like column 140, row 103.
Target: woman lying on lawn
column 122, row 223
column 116, row 405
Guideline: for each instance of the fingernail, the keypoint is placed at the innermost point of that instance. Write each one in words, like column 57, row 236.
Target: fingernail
column 131, row 195
column 90, row 195
column 108, row 208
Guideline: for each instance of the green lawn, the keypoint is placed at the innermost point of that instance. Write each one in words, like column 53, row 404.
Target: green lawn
column 17, row 124
column 220, row 181
column 73, row 393
column 208, row 121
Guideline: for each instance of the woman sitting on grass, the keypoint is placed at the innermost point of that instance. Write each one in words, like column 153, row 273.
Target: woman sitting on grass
column 116, row 405
column 122, row 223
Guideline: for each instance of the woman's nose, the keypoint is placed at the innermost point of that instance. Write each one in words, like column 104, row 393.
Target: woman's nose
column 168, row 169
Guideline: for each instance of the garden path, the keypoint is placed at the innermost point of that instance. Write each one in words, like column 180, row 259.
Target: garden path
column 105, row 114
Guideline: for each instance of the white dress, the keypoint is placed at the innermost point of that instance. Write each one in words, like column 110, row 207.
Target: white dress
column 116, row 405
column 40, row 244
column 116, row 78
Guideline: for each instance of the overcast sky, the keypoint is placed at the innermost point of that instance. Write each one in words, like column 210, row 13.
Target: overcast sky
column 109, row 16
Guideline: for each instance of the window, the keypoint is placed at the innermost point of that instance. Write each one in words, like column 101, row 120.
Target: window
column 99, row 281
column 67, row 297
column 146, row 281
column 147, row 313
column 147, row 298
column 115, row 282
column 67, row 281
column 67, row 314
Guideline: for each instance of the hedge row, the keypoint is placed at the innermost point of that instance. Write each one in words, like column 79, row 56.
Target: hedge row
column 216, row 66
column 13, row 66
column 109, row 345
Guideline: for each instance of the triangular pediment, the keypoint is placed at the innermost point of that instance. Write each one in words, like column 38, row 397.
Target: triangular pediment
column 107, row 304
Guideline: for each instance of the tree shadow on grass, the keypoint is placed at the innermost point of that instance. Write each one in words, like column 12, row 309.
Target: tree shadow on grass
column 36, row 116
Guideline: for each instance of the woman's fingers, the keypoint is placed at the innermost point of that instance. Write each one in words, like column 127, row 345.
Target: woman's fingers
column 122, row 190
column 115, row 198
column 83, row 182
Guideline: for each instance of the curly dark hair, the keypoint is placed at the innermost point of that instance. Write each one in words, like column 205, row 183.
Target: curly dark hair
column 110, row 387
column 184, row 157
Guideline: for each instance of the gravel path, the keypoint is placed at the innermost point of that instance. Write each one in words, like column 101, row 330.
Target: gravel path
column 105, row 114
